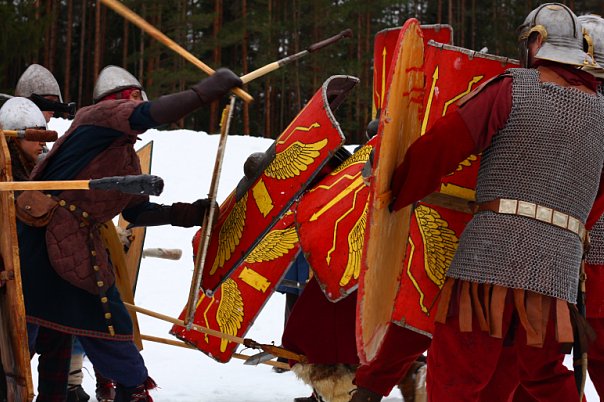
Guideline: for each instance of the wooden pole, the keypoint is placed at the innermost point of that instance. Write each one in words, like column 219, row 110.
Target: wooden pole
column 176, row 321
column 45, row 185
column 162, row 38
column 180, row 344
column 208, row 219
column 250, row 343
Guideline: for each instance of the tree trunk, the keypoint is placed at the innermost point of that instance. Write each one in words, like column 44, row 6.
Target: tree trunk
column 246, row 107
column 47, row 36
column 217, row 56
column 67, row 80
column 97, row 39
column 125, row 44
column 54, row 21
column 141, row 50
column 81, row 61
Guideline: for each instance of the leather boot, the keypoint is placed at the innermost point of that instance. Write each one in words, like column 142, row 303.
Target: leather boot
column 105, row 388
column 365, row 395
column 140, row 393
column 314, row 397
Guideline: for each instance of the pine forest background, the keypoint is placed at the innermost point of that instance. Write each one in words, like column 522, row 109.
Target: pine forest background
column 75, row 39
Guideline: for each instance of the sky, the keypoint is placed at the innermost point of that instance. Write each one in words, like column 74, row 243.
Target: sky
column 185, row 160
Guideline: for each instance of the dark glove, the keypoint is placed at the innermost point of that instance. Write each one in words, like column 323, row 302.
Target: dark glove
column 217, row 85
column 170, row 108
column 188, row 215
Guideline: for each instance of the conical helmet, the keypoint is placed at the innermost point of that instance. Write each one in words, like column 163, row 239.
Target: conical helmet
column 19, row 114
column 561, row 32
column 113, row 79
column 37, row 80
column 593, row 26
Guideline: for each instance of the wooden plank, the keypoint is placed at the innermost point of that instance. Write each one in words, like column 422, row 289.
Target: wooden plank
column 135, row 251
column 13, row 329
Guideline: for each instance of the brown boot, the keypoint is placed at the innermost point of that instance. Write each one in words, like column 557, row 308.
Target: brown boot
column 365, row 395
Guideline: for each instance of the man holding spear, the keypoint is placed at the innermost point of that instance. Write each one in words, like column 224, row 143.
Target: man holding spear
column 67, row 275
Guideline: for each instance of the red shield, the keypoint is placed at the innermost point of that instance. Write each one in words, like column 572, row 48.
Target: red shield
column 384, row 47
column 290, row 165
column 234, row 306
column 331, row 219
column 451, row 73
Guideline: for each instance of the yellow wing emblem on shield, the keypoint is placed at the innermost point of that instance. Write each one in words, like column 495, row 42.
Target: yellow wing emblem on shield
column 466, row 163
column 440, row 243
column 356, row 237
column 229, row 315
column 230, row 234
column 275, row 244
column 294, row 159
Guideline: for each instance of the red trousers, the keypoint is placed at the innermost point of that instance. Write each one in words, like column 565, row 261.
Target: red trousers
column 399, row 350
column 595, row 316
column 462, row 364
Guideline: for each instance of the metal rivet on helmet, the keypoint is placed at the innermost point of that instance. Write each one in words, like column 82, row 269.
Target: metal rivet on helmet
column 38, row 80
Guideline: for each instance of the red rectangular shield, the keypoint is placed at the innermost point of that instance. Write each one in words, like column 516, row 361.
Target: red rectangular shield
column 451, row 73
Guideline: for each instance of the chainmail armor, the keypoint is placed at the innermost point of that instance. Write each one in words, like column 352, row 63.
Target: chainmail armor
column 595, row 254
column 550, row 152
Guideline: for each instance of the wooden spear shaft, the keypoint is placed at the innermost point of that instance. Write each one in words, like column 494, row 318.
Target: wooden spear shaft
column 289, row 59
column 274, row 350
column 162, row 38
column 179, row 344
column 208, row 220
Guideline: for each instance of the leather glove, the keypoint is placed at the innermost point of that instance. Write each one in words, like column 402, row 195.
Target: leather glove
column 170, row 108
column 217, row 85
column 188, row 215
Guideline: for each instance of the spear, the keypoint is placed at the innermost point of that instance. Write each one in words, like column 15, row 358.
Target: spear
column 162, row 38
column 289, row 59
column 240, row 356
column 250, row 343
column 142, row 184
column 208, row 219
column 32, row 134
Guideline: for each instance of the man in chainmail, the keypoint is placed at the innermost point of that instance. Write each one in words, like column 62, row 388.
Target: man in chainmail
column 513, row 280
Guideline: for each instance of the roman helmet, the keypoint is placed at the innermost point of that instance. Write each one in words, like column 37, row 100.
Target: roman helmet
column 593, row 26
column 19, row 114
column 39, row 81
column 562, row 36
column 114, row 79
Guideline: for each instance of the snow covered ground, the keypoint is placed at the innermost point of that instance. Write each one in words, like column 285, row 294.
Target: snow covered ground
column 185, row 160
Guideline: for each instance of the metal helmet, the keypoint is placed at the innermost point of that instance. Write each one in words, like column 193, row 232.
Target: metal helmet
column 113, row 79
column 593, row 26
column 19, row 114
column 561, row 32
column 39, row 81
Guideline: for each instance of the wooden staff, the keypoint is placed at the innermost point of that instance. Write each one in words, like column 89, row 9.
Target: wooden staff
column 250, row 343
column 286, row 60
column 32, row 134
column 161, row 37
column 180, row 344
column 142, row 184
column 208, row 219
